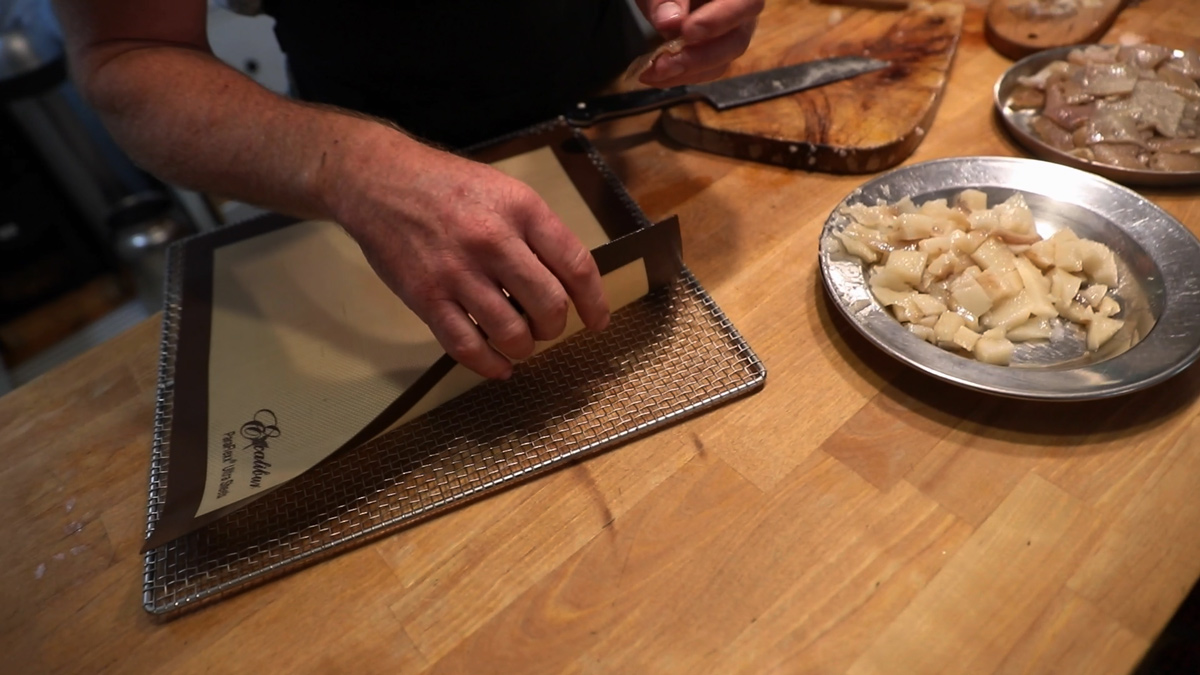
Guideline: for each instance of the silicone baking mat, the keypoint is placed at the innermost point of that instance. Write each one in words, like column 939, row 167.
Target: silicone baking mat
column 669, row 355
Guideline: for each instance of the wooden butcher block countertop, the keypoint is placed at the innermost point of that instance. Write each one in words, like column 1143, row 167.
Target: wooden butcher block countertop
column 852, row 517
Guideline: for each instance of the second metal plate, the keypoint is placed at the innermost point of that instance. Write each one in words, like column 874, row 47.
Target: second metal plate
column 1018, row 124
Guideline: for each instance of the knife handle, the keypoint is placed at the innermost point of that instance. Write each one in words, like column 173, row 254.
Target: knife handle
column 586, row 113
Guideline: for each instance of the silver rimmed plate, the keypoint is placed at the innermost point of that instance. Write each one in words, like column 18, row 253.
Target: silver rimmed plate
column 1018, row 124
column 1158, row 262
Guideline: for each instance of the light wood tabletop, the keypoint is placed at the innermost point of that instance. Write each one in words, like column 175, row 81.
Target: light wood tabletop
column 853, row 516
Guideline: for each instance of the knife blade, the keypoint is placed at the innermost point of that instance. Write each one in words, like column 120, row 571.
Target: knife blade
column 727, row 93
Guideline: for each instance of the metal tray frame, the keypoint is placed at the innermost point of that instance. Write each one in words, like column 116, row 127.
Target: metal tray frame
column 668, row 356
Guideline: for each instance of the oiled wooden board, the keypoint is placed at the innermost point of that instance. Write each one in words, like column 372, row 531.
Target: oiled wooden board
column 860, row 125
column 1015, row 33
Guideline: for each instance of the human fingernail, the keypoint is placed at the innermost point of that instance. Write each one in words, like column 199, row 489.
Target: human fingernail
column 665, row 12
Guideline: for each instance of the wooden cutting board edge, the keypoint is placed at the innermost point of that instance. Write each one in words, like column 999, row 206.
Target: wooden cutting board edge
column 686, row 130
column 795, row 154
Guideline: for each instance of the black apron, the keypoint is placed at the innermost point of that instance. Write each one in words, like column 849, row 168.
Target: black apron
column 454, row 72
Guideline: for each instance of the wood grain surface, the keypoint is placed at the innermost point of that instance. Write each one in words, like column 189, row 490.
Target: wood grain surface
column 852, row 517
column 1016, row 33
column 859, row 125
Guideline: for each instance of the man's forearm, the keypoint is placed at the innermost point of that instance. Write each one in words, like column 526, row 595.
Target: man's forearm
column 456, row 240
column 188, row 118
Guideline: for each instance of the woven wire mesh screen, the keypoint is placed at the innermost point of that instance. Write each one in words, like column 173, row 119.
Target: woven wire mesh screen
column 669, row 355
column 165, row 398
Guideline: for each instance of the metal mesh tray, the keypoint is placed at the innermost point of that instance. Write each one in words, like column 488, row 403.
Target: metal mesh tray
column 667, row 356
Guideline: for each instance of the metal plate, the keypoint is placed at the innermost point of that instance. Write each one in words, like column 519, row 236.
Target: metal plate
column 1158, row 262
column 1017, row 123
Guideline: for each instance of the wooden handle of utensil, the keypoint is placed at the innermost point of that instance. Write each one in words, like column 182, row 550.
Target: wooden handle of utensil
column 1017, row 34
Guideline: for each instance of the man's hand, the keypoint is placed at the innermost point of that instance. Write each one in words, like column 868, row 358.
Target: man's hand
column 714, row 34
column 451, row 236
column 446, row 234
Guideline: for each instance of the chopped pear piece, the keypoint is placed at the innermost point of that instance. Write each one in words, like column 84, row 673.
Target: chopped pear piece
column 947, row 217
column 1000, row 283
column 915, row 226
column 906, row 309
column 971, row 322
column 1031, row 278
column 972, row 200
column 947, row 325
column 1034, row 329
column 857, row 240
column 1099, row 263
column 1101, row 330
column 923, row 332
column 996, row 351
column 962, row 263
column 934, row 246
column 1065, row 234
column 1108, row 307
column 1041, row 253
column 992, row 253
column 1012, row 312
column 888, row 297
column 872, row 217
column 886, row 277
column 933, row 207
column 1015, row 216
column 966, row 242
column 929, row 320
column 929, row 304
column 983, row 221
column 939, row 289
column 967, row 294
column 1078, row 312
column 1094, row 294
column 939, row 268
column 1063, row 287
column 855, row 247
column 1067, row 254
column 965, row 338
column 1041, row 306
column 875, row 238
column 907, row 265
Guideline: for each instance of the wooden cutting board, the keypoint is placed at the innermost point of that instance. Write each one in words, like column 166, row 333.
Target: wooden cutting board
column 861, row 125
column 1016, row 33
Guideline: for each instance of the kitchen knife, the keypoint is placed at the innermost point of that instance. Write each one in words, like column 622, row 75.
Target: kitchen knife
column 728, row 93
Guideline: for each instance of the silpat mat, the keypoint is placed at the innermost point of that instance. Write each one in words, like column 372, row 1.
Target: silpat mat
column 669, row 355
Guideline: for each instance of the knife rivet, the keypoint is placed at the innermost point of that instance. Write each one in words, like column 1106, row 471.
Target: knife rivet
column 581, row 105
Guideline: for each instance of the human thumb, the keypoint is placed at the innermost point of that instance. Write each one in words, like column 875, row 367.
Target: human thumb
column 666, row 15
